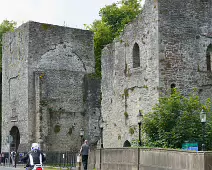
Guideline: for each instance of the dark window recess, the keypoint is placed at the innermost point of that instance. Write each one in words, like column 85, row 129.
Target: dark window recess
column 172, row 88
column 208, row 57
column 136, row 56
column 173, row 85
column 127, row 144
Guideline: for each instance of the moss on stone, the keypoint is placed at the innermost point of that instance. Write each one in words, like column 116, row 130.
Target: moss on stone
column 57, row 128
column 126, row 93
column 93, row 76
column 45, row 26
column 131, row 130
column 145, row 86
column 126, row 115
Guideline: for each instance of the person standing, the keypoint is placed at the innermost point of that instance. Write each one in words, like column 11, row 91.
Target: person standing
column 84, row 151
column 2, row 159
column 13, row 156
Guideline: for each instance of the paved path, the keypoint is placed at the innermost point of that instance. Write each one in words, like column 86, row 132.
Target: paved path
column 11, row 168
column 21, row 167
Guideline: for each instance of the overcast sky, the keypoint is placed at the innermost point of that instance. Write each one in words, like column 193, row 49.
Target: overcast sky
column 72, row 13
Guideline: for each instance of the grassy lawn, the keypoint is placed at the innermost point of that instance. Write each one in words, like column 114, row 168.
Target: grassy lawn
column 56, row 168
column 50, row 168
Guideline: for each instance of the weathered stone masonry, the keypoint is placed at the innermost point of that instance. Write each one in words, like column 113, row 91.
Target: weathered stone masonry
column 166, row 46
column 48, row 92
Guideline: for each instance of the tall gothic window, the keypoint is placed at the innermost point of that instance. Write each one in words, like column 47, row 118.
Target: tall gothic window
column 136, row 56
column 208, row 57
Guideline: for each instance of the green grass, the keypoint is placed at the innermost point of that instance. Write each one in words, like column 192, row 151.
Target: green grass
column 55, row 168
column 58, row 167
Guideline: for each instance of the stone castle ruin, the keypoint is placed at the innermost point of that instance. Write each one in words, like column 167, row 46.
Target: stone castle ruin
column 48, row 91
column 168, row 45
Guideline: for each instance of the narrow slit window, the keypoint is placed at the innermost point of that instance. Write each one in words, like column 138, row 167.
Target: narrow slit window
column 173, row 86
column 136, row 56
column 208, row 57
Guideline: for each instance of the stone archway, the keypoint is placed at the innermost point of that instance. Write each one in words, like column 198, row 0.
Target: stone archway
column 127, row 144
column 14, row 132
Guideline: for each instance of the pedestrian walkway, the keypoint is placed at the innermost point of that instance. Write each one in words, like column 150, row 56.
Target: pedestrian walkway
column 45, row 168
column 21, row 166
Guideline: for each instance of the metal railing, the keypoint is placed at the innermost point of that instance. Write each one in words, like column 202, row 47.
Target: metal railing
column 61, row 159
column 56, row 159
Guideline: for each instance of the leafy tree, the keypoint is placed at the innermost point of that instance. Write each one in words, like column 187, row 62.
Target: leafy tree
column 5, row 26
column 113, row 20
column 102, row 36
column 176, row 119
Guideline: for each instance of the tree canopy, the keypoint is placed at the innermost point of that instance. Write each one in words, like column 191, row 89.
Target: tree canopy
column 113, row 20
column 5, row 26
column 176, row 119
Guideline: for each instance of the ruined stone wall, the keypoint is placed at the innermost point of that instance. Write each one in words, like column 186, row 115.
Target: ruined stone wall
column 61, row 109
column 58, row 100
column 185, row 30
column 15, row 85
column 63, row 56
column 69, row 101
column 92, row 97
column 173, row 37
column 126, row 90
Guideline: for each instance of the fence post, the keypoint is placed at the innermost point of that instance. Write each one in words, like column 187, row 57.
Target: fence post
column 100, row 159
column 60, row 158
column 138, row 158
column 63, row 160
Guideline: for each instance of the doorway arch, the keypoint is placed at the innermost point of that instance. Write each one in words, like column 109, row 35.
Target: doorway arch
column 127, row 144
column 14, row 132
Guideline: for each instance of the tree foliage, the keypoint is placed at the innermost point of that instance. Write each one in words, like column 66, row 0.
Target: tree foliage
column 176, row 119
column 113, row 20
column 5, row 26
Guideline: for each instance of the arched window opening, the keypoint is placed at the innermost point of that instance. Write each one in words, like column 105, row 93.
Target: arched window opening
column 173, row 85
column 136, row 56
column 14, row 132
column 127, row 144
column 208, row 57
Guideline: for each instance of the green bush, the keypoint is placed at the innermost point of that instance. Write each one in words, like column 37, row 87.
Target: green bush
column 176, row 119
